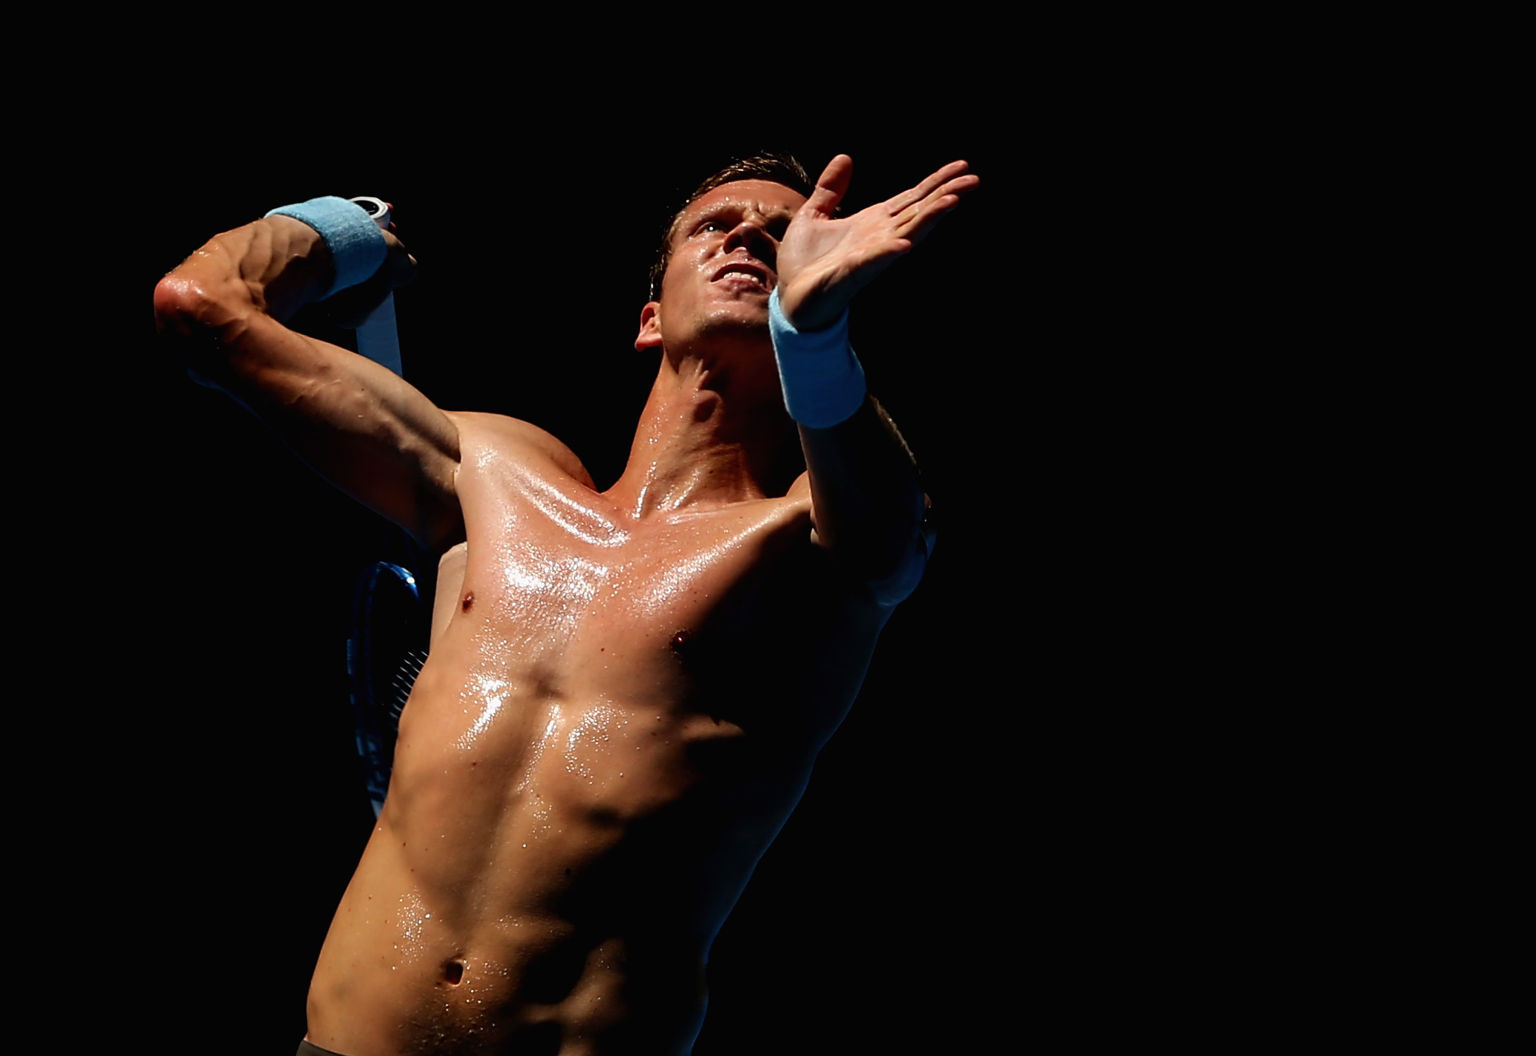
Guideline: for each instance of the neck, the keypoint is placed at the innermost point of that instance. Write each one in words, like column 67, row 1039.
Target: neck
column 705, row 436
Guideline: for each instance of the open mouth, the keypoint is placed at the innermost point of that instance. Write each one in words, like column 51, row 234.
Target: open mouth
column 743, row 271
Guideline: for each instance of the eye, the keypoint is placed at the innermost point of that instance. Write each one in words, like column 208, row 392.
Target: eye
column 777, row 226
column 712, row 226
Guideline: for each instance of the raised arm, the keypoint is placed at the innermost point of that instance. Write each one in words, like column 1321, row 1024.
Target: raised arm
column 226, row 308
column 868, row 504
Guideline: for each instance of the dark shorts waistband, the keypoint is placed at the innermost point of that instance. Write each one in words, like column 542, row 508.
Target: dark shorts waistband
column 306, row 1049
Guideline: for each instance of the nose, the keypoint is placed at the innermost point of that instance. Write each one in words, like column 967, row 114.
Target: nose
column 752, row 234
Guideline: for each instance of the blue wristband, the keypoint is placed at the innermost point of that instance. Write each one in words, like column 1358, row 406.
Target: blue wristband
column 357, row 245
column 822, row 380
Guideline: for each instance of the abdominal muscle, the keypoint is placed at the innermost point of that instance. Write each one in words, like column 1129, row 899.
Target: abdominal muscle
column 551, row 862
column 480, row 908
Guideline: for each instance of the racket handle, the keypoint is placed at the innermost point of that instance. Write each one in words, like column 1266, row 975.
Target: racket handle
column 378, row 337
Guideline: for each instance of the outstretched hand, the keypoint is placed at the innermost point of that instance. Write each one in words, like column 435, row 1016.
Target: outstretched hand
column 824, row 260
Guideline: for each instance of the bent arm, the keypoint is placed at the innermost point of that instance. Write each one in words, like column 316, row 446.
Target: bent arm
column 867, row 501
column 361, row 426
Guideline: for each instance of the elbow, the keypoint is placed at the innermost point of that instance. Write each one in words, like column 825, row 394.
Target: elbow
column 899, row 582
column 886, row 565
column 896, row 588
column 906, row 573
column 195, row 324
column 897, row 577
column 184, row 307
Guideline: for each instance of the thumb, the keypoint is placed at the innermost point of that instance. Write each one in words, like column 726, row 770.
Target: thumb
column 832, row 185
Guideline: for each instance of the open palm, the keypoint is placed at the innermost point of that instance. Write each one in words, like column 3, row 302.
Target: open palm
column 824, row 260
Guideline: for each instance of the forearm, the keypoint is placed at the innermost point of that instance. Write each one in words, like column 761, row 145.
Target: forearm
column 274, row 266
column 224, row 311
column 868, row 501
column 869, row 507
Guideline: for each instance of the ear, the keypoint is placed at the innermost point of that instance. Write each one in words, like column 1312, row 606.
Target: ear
column 649, row 338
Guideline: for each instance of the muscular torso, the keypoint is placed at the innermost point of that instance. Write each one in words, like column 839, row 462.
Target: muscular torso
column 615, row 719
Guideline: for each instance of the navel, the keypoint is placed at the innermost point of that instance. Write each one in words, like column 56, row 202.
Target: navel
column 453, row 972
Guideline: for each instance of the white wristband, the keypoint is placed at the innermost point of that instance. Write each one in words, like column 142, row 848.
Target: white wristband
column 822, row 380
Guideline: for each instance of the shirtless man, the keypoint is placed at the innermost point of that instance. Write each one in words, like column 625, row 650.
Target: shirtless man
column 626, row 689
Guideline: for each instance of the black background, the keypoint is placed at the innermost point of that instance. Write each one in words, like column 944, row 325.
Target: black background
column 1116, row 772
column 896, row 890
column 1014, row 830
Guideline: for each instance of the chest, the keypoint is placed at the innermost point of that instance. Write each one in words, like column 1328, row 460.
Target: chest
column 554, row 567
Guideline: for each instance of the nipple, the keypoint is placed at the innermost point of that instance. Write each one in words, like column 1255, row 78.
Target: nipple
column 680, row 640
column 468, row 602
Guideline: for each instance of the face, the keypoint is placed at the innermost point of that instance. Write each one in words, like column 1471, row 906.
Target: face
column 721, row 271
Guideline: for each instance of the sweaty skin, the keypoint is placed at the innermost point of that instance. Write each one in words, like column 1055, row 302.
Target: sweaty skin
column 604, row 740
column 626, row 689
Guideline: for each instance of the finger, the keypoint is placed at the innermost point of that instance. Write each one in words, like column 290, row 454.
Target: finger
column 831, row 185
column 942, row 198
column 933, row 186
column 915, row 227
column 960, row 184
column 399, row 264
column 920, row 215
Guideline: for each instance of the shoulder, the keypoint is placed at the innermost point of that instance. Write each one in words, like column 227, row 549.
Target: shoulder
column 496, row 437
column 800, row 490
